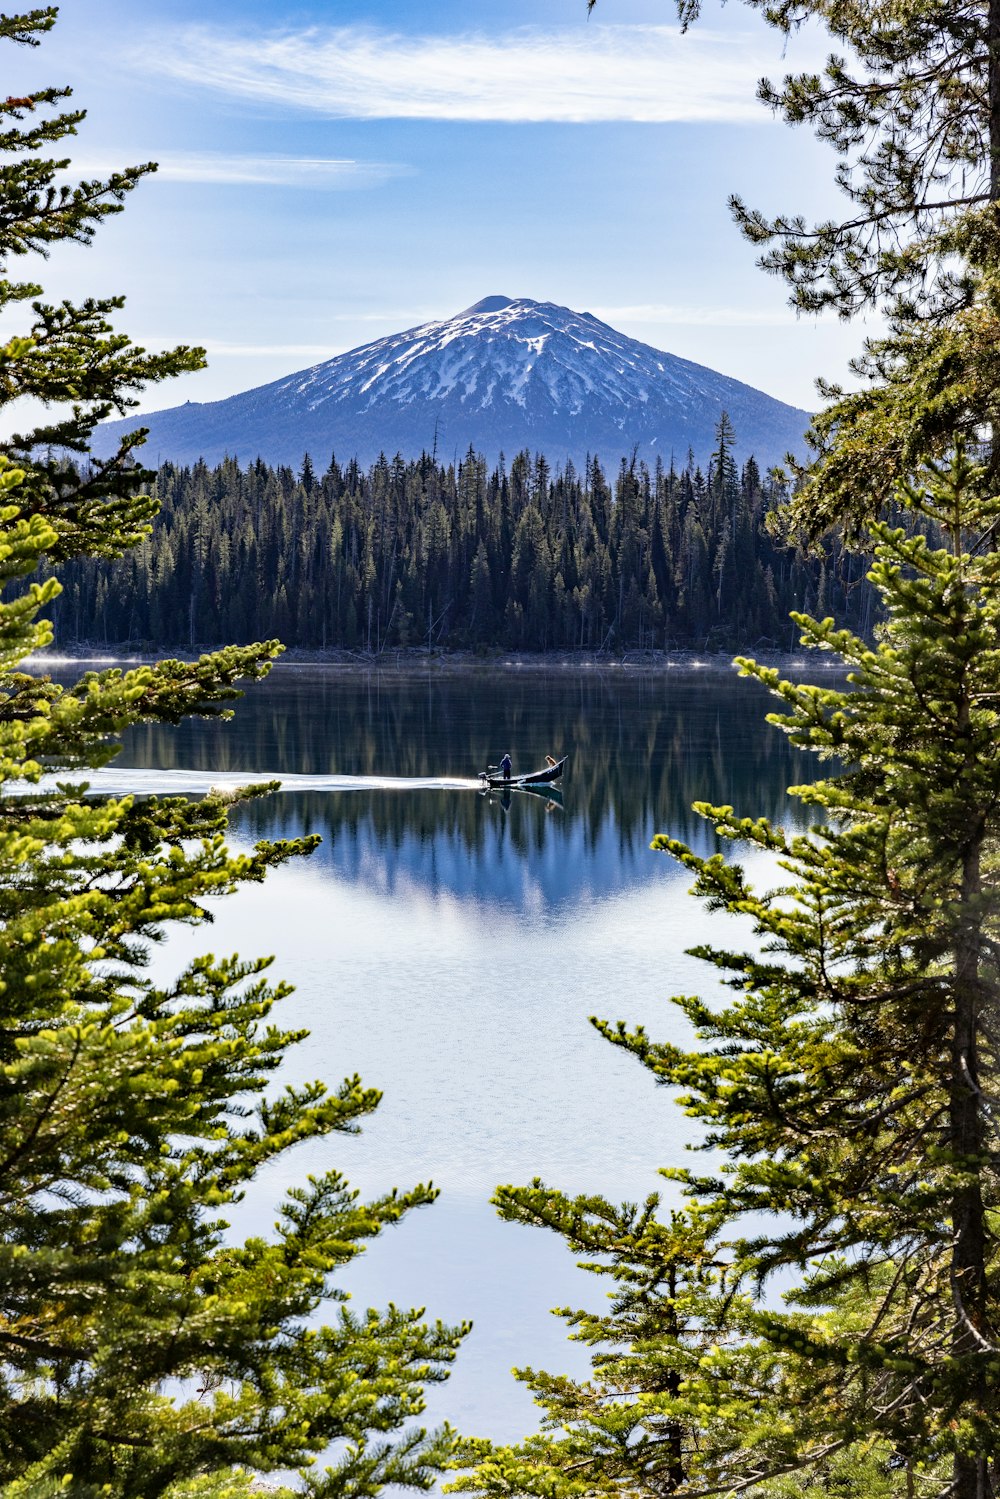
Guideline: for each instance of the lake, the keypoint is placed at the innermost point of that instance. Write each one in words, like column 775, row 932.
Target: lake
column 451, row 948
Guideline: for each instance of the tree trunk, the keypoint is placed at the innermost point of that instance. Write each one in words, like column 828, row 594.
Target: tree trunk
column 967, row 1143
column 993, row 43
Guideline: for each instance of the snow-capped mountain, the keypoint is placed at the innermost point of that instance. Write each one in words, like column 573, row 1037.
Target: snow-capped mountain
column 506, row 374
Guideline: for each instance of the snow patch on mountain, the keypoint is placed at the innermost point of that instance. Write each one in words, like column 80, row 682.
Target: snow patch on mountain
column 505, row 374
column 525, row 349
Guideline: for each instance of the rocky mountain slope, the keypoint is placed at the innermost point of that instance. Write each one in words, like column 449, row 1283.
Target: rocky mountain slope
column 505, row 374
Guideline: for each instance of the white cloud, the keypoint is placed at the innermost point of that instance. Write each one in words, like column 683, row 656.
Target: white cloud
column 638, row 314
column 590, row 73
column 315, row 352
column 703, row 317
column 319, row 172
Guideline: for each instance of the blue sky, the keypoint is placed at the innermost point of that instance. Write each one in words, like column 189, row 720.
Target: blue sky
column 334, row 172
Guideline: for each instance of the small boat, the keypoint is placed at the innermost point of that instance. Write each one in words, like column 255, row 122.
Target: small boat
column 544, row 777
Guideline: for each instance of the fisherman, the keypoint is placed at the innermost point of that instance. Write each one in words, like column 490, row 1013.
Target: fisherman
column 506, row 767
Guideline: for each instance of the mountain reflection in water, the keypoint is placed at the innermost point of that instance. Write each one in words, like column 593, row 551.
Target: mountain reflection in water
column 642, row 748
column 451, row 952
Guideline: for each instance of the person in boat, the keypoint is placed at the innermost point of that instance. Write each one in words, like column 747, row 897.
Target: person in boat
column 505, row 767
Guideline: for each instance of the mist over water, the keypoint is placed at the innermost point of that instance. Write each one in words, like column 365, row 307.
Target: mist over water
column 451, row 950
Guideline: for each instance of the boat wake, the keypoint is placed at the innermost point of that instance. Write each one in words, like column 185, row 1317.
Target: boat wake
column 129, row 781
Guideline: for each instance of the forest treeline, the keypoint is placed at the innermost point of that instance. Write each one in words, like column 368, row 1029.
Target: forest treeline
column 419, row 552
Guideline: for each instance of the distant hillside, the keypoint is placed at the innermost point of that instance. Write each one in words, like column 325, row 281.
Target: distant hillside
column 424, row 553
column 504, row 375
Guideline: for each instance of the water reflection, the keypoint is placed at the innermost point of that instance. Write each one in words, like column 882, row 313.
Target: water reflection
column 451, row 951
column 641, row 749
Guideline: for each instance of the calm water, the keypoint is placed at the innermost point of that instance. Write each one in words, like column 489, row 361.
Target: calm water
column 451, row 949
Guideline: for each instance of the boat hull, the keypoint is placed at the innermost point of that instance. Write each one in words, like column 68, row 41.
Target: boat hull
column 544, row 777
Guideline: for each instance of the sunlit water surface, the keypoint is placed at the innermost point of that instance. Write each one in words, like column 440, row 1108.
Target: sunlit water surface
column 451, row 949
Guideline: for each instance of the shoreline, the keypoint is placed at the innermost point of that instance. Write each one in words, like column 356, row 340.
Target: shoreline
column 416, row 661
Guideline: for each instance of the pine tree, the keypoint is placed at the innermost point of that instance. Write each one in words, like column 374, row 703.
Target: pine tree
column 910, row 104
column 850, row 1086
column 914, row 116
column 143, row 1352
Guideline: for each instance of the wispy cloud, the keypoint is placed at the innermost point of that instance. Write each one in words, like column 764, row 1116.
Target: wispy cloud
column 703, row 317
column 316, row 172
column 638, row 315
column 315, row 352
column 587, row 73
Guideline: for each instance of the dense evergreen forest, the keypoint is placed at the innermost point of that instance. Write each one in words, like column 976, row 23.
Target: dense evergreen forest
column 422, row 553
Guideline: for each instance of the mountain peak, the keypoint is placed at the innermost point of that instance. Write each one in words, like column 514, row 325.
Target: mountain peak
column 508, row 373
column 490, row 304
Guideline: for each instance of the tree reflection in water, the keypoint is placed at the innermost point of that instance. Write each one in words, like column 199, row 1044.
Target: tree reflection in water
column 642, row 746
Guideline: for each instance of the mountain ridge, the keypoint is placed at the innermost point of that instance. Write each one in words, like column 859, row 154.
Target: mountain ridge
column 505, row 374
